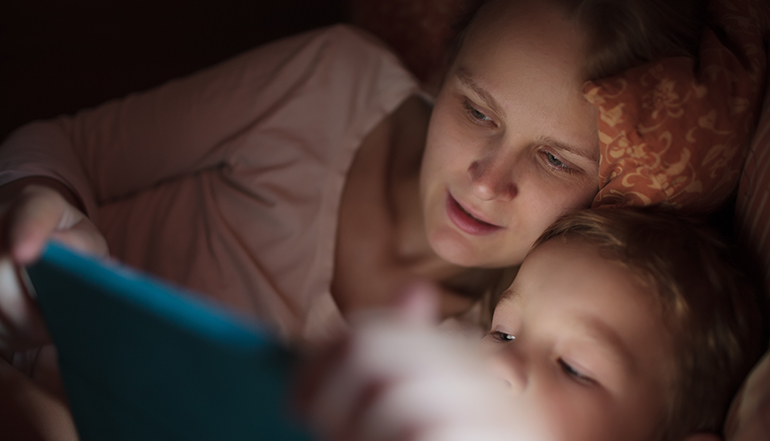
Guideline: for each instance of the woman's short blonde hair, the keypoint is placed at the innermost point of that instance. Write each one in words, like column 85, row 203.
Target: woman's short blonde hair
column 623, row 33
column 627, row 33
column 712, row 307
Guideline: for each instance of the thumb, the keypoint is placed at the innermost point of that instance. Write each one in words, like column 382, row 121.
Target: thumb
column 418, row 302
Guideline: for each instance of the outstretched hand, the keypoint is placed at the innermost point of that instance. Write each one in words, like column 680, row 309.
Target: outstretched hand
column 397, row 376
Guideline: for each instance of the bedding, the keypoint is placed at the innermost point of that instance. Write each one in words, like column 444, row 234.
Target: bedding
column 674, row 132
column 749, row 416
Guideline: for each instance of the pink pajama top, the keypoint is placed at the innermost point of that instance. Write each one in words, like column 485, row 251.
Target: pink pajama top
column 229, row 181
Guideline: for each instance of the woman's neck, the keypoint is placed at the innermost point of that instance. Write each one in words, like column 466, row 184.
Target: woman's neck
column 410, row 126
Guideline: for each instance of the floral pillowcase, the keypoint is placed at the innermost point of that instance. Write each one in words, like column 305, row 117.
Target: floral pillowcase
column 674, row 133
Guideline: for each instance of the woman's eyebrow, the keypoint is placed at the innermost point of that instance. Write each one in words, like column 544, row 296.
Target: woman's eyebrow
column 465, row 77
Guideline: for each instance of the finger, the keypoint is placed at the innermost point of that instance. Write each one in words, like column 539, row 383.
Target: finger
column 31, row 222
column 335, row 399
column 350, row 386
column 419, row 302
column 427, row 401
column 21, row 325
column 384, row 353
column 456, row 407
column 471, row 432
column 84, row 237
column 314, row 371
column 350, row 424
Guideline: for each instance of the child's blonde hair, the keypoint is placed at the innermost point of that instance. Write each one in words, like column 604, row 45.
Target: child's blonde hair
column 712, row 308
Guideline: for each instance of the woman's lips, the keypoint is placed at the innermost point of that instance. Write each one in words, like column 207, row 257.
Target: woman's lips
column 465, row 221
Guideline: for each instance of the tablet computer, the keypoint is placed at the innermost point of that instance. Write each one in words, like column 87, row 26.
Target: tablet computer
column 144, row 360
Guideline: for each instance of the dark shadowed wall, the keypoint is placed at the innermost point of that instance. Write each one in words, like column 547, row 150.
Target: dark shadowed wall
column 60, row 56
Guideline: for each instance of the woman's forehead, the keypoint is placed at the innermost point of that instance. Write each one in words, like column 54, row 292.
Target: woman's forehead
column 542, row 103
column 536, row 37
column 520, row 18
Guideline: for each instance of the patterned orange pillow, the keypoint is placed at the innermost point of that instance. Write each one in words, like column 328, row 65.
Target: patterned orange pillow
column 674, row 133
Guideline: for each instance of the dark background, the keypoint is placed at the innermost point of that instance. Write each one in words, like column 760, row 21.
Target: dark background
column 60, row 56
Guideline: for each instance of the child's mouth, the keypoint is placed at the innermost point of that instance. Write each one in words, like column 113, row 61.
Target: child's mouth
column 466, row 221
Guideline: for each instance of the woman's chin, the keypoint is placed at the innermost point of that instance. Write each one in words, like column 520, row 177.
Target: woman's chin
column 456, row 249
column 460, row 252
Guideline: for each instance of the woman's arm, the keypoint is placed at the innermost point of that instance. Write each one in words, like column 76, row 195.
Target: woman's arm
column 186, row 125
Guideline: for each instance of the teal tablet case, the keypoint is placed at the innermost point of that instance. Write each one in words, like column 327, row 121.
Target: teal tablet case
column 144, row 360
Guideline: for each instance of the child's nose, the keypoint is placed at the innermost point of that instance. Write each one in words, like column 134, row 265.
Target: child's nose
column 509, row 367
column 493, row 176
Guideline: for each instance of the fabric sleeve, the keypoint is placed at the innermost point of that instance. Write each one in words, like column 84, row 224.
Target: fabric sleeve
column 181, row 127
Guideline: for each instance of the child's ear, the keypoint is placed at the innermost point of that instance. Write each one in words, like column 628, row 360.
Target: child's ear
column 702, row 437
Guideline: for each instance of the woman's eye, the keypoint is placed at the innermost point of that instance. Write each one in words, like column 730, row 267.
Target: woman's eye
column 476, row 114
column 502, row 336
column 574, row 373
column 557, row 163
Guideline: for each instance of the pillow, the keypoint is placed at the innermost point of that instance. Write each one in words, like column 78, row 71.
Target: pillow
column 751, row 408
column 674, row 133
column 750, row 411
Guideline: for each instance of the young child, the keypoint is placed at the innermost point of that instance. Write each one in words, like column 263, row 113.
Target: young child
column 620, row 325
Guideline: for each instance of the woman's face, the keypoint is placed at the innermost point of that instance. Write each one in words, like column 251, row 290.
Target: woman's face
column 512, row 144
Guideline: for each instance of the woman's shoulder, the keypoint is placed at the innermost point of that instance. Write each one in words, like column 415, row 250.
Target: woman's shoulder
column 349, row 46
column 353, row 36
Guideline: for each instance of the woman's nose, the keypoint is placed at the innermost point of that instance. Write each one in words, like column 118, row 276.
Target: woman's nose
column 509, row 367
column 492, row 177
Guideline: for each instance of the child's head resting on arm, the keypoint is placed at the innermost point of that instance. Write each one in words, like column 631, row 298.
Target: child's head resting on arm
column 627, row 325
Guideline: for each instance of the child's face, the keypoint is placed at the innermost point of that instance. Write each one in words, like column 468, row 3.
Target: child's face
column 591, row 357
column 512, row 143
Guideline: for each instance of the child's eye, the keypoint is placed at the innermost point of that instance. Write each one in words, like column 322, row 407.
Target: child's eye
column 502, row 336
column 574, row 373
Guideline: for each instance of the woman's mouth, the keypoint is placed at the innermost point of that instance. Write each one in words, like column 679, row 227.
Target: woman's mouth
column 466, row 221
